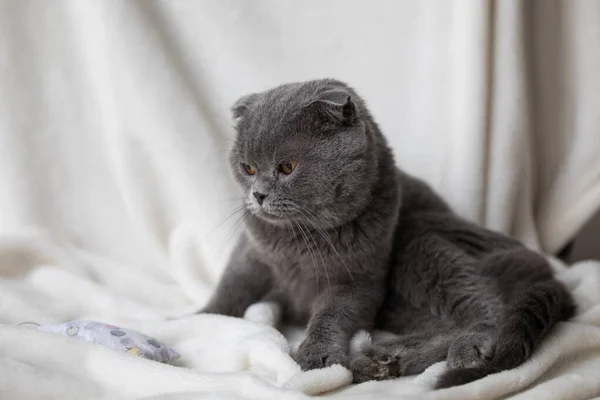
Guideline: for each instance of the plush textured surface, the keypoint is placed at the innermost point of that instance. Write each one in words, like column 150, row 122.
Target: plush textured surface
column 248, row 359
column 113, row 179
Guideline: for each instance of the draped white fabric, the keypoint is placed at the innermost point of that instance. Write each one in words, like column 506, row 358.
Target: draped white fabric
column 114, row 129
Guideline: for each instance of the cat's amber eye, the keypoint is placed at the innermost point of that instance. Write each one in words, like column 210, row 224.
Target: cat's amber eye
column 248, row 169
column 287, row 167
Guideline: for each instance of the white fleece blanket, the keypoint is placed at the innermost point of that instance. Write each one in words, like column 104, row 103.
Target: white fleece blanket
column 114, row 184
column 229, row 357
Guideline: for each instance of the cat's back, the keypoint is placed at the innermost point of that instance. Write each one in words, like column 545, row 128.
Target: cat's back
column 423, row 212
column 417, row 196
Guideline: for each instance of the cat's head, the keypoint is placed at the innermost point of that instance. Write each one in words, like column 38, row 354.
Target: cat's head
column 304, row 152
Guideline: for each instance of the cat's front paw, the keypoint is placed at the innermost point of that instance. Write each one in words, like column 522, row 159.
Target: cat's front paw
column 314, row 355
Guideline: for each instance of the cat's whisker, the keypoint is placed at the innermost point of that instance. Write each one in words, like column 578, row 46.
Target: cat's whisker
column 325, row 236
column 320, row 255
column 231, row 232
column 240, row 223
column 305, row 238
column 298, row 243
column 237, row 210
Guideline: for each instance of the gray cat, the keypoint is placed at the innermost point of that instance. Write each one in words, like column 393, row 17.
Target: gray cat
column 345, row 241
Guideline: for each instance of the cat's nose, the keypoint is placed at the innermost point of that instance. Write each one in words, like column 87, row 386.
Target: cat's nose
column 259, row 197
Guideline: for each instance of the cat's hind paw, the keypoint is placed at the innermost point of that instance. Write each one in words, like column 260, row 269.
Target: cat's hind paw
column 471, row 350
column 376, row 364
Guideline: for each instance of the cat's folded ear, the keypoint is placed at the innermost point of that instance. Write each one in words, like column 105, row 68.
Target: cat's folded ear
column 336, row 104
column 243, row 105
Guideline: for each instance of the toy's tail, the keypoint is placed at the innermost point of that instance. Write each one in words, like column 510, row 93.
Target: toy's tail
column 528, row 319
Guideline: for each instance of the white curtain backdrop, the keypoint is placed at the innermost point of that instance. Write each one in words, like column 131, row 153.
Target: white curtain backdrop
column 114, row 130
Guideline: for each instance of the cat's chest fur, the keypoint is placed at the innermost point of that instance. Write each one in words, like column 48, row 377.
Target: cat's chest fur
column 296, row 257
column 303, row 262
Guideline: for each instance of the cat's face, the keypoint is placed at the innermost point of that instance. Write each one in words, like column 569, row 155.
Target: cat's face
column 303, row 154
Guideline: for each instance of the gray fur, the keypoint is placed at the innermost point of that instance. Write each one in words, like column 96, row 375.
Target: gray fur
column 347, row 241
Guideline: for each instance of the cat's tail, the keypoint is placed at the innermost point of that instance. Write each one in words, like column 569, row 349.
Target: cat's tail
column 527, row 321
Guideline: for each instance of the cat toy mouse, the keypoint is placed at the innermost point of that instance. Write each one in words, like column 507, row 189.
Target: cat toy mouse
column 114, row 337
